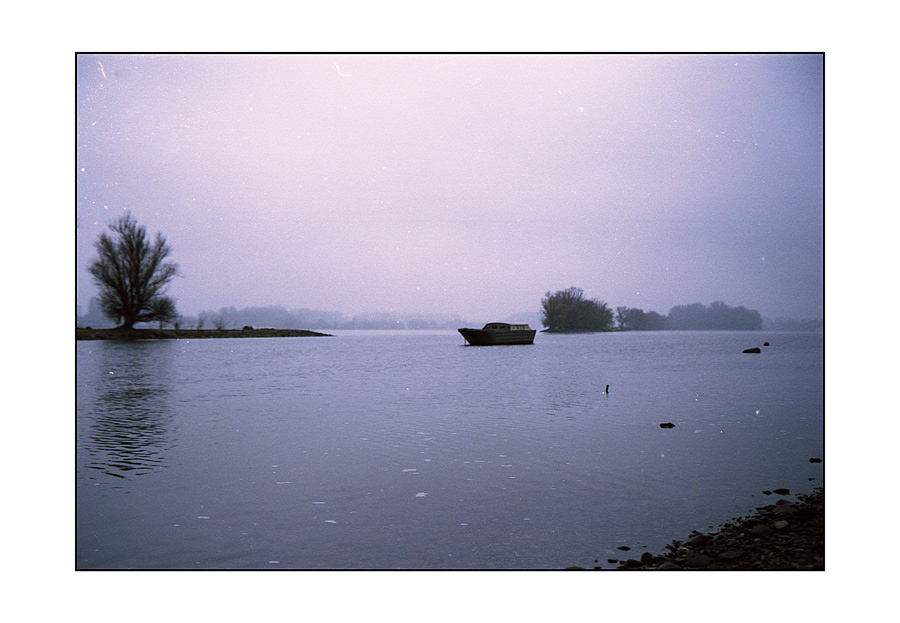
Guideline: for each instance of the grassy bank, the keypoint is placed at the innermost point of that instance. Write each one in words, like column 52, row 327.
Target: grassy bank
column 188, row 334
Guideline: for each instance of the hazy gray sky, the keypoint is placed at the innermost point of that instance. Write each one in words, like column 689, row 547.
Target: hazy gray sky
column 468, row 184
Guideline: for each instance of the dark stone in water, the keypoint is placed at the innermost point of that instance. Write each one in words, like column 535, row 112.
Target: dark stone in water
column 753, row 350
column 782, row 491
column 624, row 548
column 786, row 509
column 667, row 425
column 765, row 343
column 815, row 460
column 698, row 540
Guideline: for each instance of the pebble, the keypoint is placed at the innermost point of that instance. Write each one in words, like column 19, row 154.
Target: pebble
column 731, row 555
column 669, row 566
column 762, row 541
column 701, row 561
column 696, row 541
column 781, row 525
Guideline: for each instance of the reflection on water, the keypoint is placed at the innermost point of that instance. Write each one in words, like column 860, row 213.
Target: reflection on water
column 129, row 425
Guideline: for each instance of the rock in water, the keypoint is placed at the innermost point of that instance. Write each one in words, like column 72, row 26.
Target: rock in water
column 667, row 425
column 753, row 350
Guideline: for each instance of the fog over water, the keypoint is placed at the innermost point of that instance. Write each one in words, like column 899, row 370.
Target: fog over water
column 464, row 183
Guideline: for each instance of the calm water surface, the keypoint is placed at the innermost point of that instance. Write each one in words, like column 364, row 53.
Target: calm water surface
column 407, row 450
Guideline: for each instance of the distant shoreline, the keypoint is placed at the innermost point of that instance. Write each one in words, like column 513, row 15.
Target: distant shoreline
column 188, row 334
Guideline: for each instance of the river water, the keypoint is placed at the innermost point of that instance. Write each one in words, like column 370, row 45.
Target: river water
column 408, row 450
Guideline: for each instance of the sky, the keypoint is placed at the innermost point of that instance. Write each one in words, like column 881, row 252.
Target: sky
column 467, row 184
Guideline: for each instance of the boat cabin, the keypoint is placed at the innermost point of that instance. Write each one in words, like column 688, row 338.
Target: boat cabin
column 504, row 326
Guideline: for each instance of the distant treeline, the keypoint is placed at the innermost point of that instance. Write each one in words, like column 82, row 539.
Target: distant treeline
column 278, row 317
column 569, row 311
column 717, row 316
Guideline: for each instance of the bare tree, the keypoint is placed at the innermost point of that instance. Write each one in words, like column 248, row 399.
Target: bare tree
column 132, row 274
column 220, row 322
column 163, row 309
column 621, row 315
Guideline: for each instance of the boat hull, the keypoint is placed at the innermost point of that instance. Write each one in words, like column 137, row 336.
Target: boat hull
column 480, row 337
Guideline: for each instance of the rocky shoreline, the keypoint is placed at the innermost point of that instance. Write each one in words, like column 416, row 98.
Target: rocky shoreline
column 781, row 536
column 188, row 334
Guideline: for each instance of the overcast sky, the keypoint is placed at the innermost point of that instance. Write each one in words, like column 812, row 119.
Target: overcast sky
column 466, row 184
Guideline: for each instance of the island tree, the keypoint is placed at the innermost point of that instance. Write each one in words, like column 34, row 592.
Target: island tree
column 569, row 311
column 633, row 319
column 132, row 274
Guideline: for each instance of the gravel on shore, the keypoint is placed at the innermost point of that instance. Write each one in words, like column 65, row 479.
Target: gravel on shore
column 781, row 536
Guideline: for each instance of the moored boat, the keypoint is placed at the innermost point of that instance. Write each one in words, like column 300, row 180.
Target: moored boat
column 497, row 333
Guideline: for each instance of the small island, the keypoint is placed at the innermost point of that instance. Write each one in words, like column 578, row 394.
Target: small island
column 569, row 311
column 132, row 274
column 189, row 334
